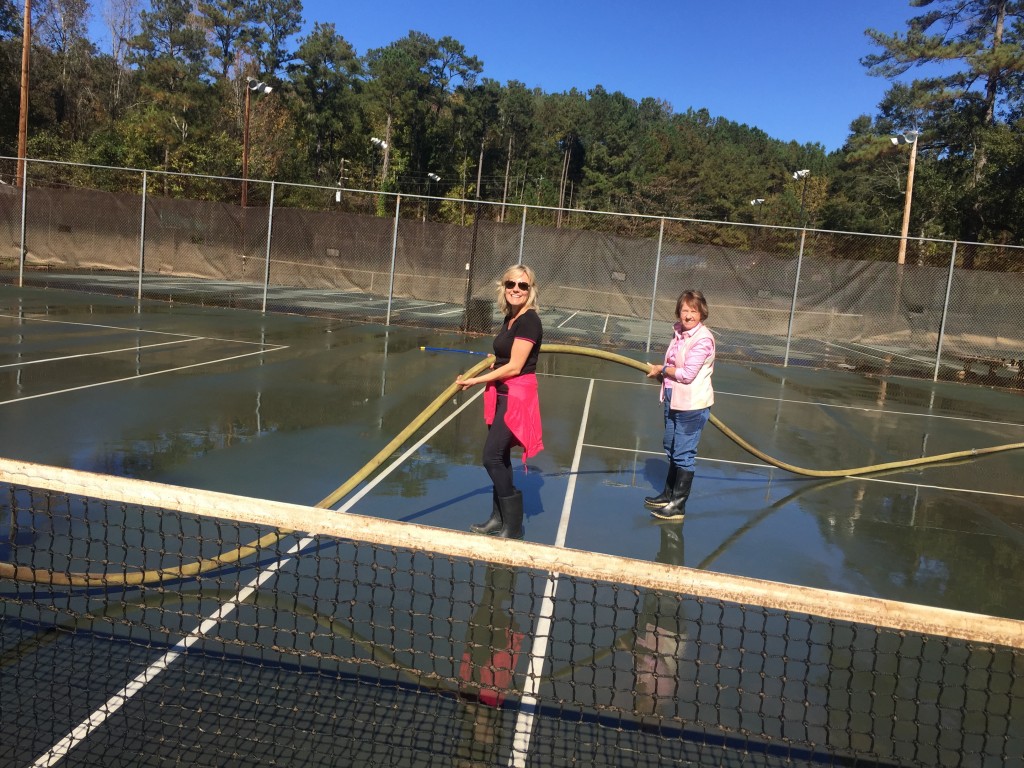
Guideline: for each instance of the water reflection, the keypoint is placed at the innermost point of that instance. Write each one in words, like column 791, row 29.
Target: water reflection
column 493, row 642
column 660, row 637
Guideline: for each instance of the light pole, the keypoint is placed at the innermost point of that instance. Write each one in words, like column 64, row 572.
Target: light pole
column 804, row 174
column 252, row 85
column 910, row 137
column 430, row 177
column 382, row 146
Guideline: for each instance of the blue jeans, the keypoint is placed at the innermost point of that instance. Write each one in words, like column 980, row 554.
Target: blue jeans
column 682, row 434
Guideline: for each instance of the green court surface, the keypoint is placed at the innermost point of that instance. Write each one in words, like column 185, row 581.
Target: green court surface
column 288, row 407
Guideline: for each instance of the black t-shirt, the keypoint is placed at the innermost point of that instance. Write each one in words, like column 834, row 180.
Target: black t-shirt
column 528, row 326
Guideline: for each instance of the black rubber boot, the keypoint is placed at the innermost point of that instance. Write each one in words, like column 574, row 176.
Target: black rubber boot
column 676, row 509
column 511, row 516
column 663, row 498
column 493, row 524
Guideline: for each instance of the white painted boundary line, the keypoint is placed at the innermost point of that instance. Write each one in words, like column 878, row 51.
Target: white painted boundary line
column 817, row 404
column 944, row 488
column 570, row 317
column 60, row 750
column 124, row 328
column 140, row 376
column 411, row 450
column 761, row 465
column 61, row 359
column 527, row 713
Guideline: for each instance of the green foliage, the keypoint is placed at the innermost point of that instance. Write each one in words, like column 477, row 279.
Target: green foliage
column 175, row 101
column 10, row 20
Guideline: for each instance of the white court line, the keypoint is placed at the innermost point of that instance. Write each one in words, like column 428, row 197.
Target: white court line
column 859, row 348
column 60, row 750
column 136, row 348
column 527, row 714
column 883, row 411
column 412, row 449
column 570, row 317
column 815, row 403
column 762, row 465
column 942, row 488
column 140, row 376
column 124, row 328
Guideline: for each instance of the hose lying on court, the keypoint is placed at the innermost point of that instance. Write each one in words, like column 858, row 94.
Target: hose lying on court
column 234, row 556
column 854, row 472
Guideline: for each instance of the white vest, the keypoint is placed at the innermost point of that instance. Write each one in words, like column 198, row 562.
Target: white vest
column 698, row 394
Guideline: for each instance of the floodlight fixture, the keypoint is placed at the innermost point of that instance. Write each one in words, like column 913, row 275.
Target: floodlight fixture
column 433, row 177
column 801, row 174
column 905, row 138
column 378, row 142
column 258, row 87
column 757, row 201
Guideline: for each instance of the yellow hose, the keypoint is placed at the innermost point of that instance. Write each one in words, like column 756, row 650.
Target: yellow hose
column 640, row 366
column 197, row 567
column 110, row 579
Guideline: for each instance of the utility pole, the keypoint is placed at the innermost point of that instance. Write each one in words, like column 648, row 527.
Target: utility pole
column 910, row 137
column 26, row 46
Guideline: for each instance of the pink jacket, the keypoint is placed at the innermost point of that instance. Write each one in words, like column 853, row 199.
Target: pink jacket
column 523, row 414
column 685, row 351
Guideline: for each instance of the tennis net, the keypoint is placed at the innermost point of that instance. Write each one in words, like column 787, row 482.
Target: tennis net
column 144, row 624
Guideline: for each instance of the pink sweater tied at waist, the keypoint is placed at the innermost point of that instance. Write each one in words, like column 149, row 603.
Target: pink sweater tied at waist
column 523, row 414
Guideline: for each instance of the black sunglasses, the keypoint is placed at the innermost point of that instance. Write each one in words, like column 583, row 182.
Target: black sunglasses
column 510, row 284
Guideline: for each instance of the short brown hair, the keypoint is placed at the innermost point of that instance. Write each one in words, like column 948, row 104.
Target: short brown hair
column 695, row 298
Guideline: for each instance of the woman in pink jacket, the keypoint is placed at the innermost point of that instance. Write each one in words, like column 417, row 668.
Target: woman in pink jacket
column 688, row 396
column 511, row 405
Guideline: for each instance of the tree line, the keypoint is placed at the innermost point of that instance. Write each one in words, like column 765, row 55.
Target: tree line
column 167, row 91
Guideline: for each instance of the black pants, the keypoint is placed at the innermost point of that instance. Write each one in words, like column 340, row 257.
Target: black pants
column 498, row 451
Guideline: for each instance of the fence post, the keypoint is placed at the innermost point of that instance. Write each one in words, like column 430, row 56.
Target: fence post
column 796, row 287
column 945, row 311
column 142, row 244
column 654, row 292
column 270, row 232
column 394, row 257
column 522, row 236
column 24, row 203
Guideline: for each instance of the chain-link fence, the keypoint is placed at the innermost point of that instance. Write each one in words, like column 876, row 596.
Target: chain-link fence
column 778, row 295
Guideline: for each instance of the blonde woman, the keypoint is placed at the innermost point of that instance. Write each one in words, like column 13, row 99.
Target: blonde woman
column 511, row 405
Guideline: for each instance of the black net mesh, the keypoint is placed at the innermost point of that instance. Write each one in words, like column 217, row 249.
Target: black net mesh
column 324, row 650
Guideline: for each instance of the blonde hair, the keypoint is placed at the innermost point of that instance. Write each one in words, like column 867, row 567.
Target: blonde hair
column 515, row 273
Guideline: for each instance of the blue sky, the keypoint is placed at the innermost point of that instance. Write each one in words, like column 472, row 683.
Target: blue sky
column 791, row 67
